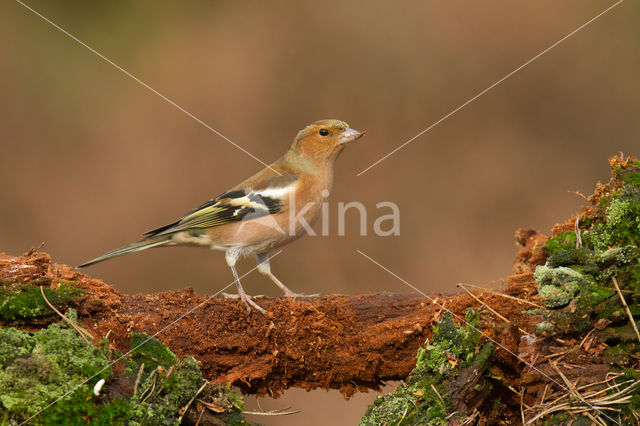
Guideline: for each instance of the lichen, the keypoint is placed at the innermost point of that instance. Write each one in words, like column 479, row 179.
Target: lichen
column 425, row 398
column 557, row 286
column 545, row 328
column 575, row 283
column 13, row 344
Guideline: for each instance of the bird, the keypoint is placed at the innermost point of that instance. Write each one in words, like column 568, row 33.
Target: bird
column 263, row 213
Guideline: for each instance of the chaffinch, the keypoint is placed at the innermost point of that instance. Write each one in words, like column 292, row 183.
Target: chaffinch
column 265, row 212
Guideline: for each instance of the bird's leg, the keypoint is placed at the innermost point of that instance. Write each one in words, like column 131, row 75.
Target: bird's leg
column 243, row 295
column 265, row 268
column 231, row 257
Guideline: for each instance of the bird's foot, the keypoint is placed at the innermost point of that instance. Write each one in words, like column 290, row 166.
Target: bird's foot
column 251, row 304
column 237, row 296
column 289, row 293
column 248, row 301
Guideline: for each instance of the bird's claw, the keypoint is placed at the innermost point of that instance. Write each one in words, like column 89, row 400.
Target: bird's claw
column 237, row 296
column 251, row 304
column 248, row 301
column 294, row 295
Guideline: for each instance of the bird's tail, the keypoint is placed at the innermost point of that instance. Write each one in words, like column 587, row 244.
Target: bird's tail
column 131, row 248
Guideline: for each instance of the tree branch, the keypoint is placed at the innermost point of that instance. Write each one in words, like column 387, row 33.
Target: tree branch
column 345, row 342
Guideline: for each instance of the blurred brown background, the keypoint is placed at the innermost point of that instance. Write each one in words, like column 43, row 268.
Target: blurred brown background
column 90, row 158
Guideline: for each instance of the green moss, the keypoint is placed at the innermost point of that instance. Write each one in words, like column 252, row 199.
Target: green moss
column 633, row 280
column 566, row 241
column 64, row 347
column 620, row 354
column 632, row 179
column 165, row 392
column 424, row 398
column 633, row 407
column 567, row 419
column 225, row 396
column 49, row 364
column 82, row 407
column 13, row 344
column 563, row 252
column 24, row 301
column 621, row 224
column 619, row 256
column 149, row 351
column 621, row 263
column 168, row 384
column 621, row 333
column 449, row 340
column 43, row 374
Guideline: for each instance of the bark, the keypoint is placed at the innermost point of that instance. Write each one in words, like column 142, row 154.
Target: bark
column 345, row 342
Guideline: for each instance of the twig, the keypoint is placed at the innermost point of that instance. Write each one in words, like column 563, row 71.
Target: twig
column 594, row 393
column 620, row 393
column 522, row 404
column 547, row 411
column 34, row 249
column 576, row 229
column 76, row 327
column 404, row 414
column 596, row 420
column 570, row 386
column 593, row 404
column 490, row 308
column 570, row 366
column 471, row 418
column 439, row 397
column 615, row 376
column 186, row 408
column 278, row 412
column 200, row 416
column 138, row 377
column 497, row 293
column 579, row 194
column 153, row 386
column 169, row 371
column 544, row 393
column 624, row 303
column 614, row 385
column 586, row 337
column 553, row 355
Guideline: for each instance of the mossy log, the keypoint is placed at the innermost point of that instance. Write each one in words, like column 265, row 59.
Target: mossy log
column 345, row 342
column 558, row 344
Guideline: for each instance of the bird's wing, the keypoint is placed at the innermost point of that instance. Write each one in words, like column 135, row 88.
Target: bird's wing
column 233, row 206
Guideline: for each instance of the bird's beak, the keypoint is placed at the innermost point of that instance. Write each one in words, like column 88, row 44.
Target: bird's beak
column 350, row 135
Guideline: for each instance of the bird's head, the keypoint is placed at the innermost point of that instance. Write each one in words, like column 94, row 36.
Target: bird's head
column 324, row 139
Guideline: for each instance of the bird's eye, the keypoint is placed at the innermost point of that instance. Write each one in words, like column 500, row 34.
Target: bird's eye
column 324, row 132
